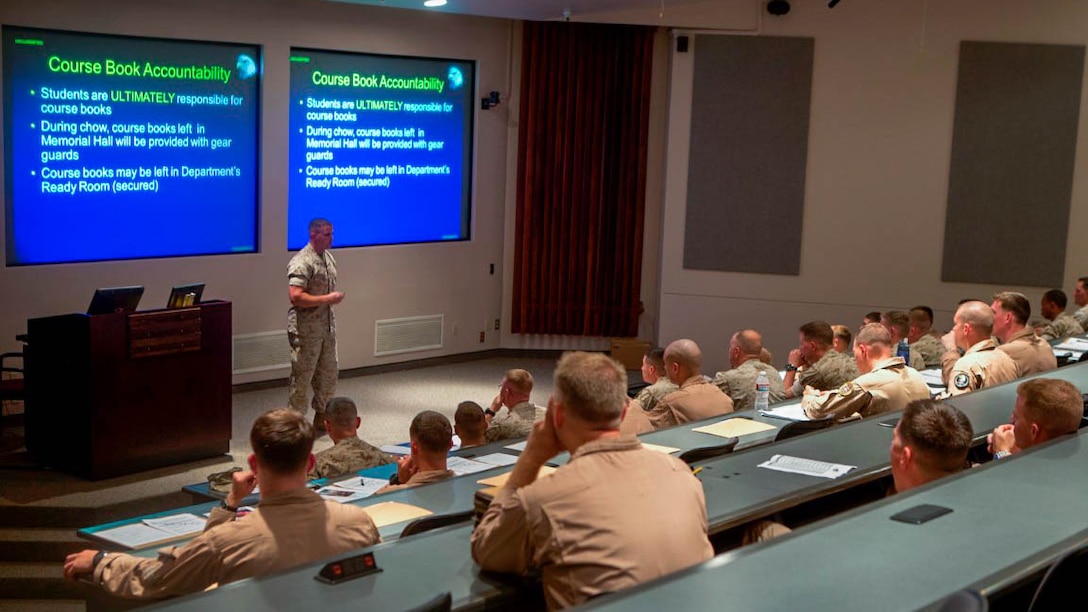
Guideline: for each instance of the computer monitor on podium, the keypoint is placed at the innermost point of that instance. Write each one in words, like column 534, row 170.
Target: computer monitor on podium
column 115, row 299
column 183, row 296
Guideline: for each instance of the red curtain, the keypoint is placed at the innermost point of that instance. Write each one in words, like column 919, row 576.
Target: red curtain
column 585, row 99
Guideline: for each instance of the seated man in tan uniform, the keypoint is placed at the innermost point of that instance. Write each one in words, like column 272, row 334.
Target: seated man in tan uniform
column 885, row 385
column 930, row 441
column 982, row 365
column 1045, row 409
column 349, row 453
column 1061, row 324
column 614, row 516
column 469, row 424
column 432, row 439
column 291, row 526
column 897, row 323
column 520, row 414
column 1031, row 353
column 921, row 337
column 822, row 367
column 739, row 383
column 653, row 372
column 696, row 398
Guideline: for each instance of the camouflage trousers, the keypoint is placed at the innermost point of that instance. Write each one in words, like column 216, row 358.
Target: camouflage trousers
column 313, row 364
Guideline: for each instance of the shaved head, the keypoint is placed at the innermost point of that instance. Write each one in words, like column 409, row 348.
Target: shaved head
column 683, row 359
column 748, row 341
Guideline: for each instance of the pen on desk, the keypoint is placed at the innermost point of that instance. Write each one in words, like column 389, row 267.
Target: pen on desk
column 696, row 471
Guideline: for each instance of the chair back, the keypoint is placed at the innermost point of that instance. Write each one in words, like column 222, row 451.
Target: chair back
column 797, row 428
column 708, row 452
column 1061, row 586
column 428, row 523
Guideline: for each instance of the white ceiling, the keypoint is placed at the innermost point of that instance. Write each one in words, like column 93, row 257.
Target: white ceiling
column 534, row 10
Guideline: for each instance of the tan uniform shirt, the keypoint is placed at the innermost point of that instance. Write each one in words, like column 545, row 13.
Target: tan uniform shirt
column 740, row 383
column 890, row 386
column 648, row 397
column 1031, row 353
column 931, row 349
column 419, row 478
column 830, row 372
column 615, row 516
column 284, row 531
column 696, row 399
column 1062, row 326
column 348, row 455
column 981, row 366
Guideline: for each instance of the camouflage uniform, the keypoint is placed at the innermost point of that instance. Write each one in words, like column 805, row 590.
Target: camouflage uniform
column 1081, row 316
column 830, row 372
column 349, row 455
column 981, row 366
column 648, row 397
column 888, row 387
column 1062, row 327
column 740, row 383
column 931, row 349
column 312, row 332
column 516, row 424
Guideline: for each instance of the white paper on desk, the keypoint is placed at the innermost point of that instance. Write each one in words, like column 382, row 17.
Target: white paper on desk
column 396, row 449
column 807, row 467
column 497, row 459
column 364, row 486
column 177, row 524
column 460, row 465
column 1073, row 344
column 340, row 494
column 136, row 535
column 792, row 412
column 520, row 446
column 933, row 377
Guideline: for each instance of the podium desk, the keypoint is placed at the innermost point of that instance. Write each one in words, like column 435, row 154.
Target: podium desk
column 119, row 393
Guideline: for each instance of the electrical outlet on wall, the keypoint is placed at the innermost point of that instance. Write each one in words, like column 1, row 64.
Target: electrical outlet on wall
column 481, row 336
column 496, row 324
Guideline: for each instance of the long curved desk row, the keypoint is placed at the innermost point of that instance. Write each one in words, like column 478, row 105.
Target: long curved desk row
column 737, row 492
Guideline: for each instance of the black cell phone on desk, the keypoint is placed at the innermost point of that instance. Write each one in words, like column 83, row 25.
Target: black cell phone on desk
column 920, row 514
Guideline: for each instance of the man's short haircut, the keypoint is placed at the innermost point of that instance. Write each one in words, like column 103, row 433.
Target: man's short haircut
column 686, row 353
column 317, row 223
column 1056, row 406
column 656, row 357
column 1016, row 303
column 939, row 434
column 874, row 333
column 978, row 315
column 899, row 320
column 1083, row 280
column 432, row 431
column 749, row 342
column 341, row 411
column 470, row 418
column 820, row 332
column 521, row 380
column 1056, row 297
column 921, row 314
column 592, row 386
column 843, row 333
column 282, row 440
column 873, row 316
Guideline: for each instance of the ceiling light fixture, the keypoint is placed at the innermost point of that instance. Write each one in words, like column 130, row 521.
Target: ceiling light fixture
column 434, row 3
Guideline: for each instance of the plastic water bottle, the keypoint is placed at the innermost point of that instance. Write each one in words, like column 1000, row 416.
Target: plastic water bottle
column 904, row 351
column 763, row 391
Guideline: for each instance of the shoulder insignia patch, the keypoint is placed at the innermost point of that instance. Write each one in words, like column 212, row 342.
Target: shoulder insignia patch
column 961, row 380
column 846, row 389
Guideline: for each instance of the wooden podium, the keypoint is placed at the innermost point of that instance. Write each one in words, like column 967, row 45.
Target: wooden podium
column 120, row 393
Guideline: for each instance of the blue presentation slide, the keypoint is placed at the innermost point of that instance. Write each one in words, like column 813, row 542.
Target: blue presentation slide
column 123, row 148
column 381, row 146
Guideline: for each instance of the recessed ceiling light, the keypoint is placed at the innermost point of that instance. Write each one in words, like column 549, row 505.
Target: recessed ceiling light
column 434, row 3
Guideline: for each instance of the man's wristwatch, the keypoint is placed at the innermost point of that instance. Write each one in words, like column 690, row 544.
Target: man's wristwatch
column 791, row 368
column 1001, row 454
column 490, row 412
column 224, row 505
column 98, row 556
